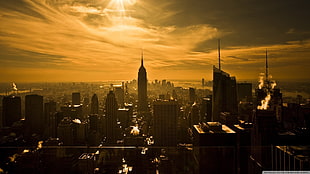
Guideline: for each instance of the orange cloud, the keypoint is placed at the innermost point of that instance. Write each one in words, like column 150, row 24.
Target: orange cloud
column 94, row 41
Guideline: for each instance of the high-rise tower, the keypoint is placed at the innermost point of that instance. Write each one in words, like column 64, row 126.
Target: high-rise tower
column 94, row 107
column 11, row 110
column 268, row 96
column 119, row 94
column 192, row 95
column 224, row 94
column 165, row 117
column 111, row 116
column 224, row 97
column 76, row 98
column 50, row 129
column 34, row 113
column 142, row 88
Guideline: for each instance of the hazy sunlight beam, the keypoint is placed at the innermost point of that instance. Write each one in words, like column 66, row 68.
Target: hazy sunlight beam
column 118, row 7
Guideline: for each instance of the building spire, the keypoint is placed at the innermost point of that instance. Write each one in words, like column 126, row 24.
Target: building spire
column 219, row 51
column 266, row 65
column 142, row 57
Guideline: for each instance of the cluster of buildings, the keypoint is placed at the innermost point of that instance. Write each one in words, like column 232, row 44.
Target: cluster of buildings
column 159, row 128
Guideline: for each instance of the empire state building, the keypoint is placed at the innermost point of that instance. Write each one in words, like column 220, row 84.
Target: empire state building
column 142, row 88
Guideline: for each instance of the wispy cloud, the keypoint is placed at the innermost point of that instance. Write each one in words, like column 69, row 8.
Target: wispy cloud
column 103, row 40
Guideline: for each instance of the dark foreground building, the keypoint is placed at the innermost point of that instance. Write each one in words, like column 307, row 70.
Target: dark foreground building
column 214, row 148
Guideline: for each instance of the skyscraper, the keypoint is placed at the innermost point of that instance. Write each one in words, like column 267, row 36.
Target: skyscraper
column 76, row 98
column 34, row 113
column 119, row 94
column 194, row 114
column 49, row 118
column 65, row 131
column 124, row 116
column 224, row 94
column 263, row 136
column 192, row 95
column 142, row 88
column 268, row 97
column 11, row 110
column 111, row 116
column 165, row 122
column 214, row 148
column 206, row 108
column 94, row 108
column 244, row 91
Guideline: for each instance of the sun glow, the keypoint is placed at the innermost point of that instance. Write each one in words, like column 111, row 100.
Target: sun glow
column 118, row 12
column 120, row 6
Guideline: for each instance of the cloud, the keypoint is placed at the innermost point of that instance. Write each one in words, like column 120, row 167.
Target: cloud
column 105, row 39
column 71, row 39
column 238, row 58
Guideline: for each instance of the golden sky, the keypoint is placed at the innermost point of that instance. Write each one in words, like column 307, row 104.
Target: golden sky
column 95, row 40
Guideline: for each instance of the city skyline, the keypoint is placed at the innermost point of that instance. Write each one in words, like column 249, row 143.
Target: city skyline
column 102, row 40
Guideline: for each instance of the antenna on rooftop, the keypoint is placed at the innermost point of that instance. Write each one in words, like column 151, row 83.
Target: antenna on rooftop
column 219, row 51
column 266, row 65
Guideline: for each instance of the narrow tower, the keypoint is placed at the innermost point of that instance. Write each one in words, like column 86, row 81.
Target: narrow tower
column 219, row 51
column 94, row 107
column 111, row 107
column 266, row 65
column 142, row 88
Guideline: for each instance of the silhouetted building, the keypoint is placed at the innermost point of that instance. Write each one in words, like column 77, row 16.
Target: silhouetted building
column 111, row 116
column 244, row 92
column 65, row 131
column 165, row 114
column 228, row 119
column 76, row 98
column 267, row 96
column 86, row 106
column 174, row 95
column 119, row 94
column 275, row 102
column 164, row 83
column 85, row 101
column 73, row 111
column 263, row 135
column 224, row 94
column 192, row 95
column 11, row 110
column 34, row 114
column 93, row 122
column 194, row 115
column 94, row 107
column 203, row 82
column 243, row 130
column 123, row 116
column 81, row 132
column 142, row 89
column 291, row 158
column 295, row 116
column 215, row 148
column 58, row 117
column 206, row 109
column 49, row 119
column 129, row 106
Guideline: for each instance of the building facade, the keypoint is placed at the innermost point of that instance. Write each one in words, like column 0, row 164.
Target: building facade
column 142, row 89
column 224, row 94
column 165, row 122
column 11, row 110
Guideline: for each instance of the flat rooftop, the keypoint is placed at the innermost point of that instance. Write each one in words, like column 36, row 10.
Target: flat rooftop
column 225, row 129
